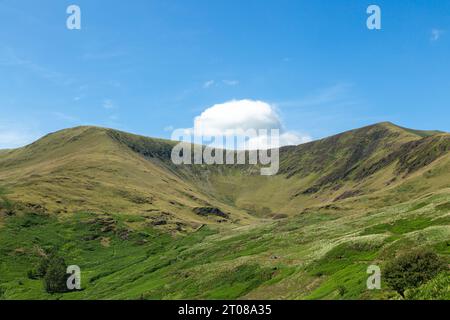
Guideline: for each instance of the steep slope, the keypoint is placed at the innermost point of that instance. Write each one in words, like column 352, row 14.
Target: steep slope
column 108, row 171
column 114, row 204
column 374, row 159
column 92, row 169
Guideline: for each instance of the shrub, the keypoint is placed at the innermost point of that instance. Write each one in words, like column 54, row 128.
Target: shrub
column 40, row 270
column 32, row 274
column 55, row 279
column 42, row 267
column 436, row 289
column 412, row 269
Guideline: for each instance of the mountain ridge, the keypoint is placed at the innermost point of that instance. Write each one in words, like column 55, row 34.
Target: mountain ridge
column 135, row 175
column 140, row 227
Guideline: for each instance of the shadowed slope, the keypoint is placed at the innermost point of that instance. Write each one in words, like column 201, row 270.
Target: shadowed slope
column 372, row 159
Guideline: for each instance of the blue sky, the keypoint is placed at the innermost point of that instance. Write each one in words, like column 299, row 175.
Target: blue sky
column 149, row 66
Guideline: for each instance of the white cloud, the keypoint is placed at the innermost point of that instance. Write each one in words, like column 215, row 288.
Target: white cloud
column 115, row 83
column 9, row 58
column 231, row 82
column 108, row 104
column 113, row 117
column 208, row 84
column 243, row 115
column 65, row 117
column 237, row 114
column 436, row 34
column 13, row 138
column 103, row 55
column 338, row 94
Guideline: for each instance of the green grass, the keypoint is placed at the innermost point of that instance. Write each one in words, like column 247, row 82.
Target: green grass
column 407, row 225
column 344, row 255
column 436, row 289
column 347, row 282
column 312, row 259
column 113, row 204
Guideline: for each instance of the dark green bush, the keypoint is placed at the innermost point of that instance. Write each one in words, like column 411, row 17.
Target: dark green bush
column 55, row 279
column 412, row 269
column 40, row 270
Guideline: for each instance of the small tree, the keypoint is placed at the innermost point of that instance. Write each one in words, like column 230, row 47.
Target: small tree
column 56, row 277
column 40, row 270
column 412, row 269
column 42, row 267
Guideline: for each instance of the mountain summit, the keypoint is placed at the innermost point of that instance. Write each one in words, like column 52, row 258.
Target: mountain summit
column 140, row 227
column 103, row 170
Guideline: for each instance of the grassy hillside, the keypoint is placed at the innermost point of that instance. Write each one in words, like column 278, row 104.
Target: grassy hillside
column 93, row 170
column 375, row 162
column 315, row 255
column 141, row 228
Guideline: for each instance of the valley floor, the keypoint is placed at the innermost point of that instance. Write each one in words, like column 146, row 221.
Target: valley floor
column 315, row 255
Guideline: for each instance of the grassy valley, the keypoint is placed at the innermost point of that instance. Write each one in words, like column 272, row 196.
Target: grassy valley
column 142, row 228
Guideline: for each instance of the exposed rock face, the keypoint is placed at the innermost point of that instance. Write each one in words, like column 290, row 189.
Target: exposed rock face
column 211, row 211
